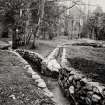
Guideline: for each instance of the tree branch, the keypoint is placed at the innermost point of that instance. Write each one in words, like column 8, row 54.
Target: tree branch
column 67, row 9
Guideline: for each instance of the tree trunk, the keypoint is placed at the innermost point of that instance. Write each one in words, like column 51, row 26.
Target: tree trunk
column 39, row 22
column 14, row 39
column 27, row 29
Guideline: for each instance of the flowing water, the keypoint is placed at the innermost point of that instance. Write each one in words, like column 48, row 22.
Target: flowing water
column 54, row 87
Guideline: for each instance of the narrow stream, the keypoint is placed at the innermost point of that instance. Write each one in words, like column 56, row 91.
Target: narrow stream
column 53, row 86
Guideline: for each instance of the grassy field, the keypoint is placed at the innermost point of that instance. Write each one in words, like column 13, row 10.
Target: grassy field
column 89, row 60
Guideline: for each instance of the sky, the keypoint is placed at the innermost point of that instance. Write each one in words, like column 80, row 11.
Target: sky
column 95, row 3
column 100, row 3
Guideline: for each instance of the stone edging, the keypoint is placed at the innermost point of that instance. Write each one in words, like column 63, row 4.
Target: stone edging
column 40, row 82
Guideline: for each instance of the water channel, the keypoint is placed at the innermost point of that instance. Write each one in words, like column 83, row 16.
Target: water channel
column 54, row 87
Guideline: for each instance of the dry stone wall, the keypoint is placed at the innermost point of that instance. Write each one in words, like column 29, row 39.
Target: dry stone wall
column 43, row 65
column 79, row 89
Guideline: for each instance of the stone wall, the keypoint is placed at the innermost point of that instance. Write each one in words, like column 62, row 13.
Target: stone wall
column 43, row 65
column 79, row 89
column 83, row 90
